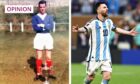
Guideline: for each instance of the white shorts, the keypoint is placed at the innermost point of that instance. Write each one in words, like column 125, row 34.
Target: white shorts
column 43, row 41
column 93, row 66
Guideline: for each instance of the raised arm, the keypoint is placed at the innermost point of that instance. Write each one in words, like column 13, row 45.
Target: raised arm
column 77, row 29
column 122, row 31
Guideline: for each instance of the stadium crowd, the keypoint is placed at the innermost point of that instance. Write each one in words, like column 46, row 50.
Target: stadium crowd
column 128, row 9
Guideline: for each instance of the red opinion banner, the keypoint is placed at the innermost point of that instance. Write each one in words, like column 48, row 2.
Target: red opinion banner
column 19, row 9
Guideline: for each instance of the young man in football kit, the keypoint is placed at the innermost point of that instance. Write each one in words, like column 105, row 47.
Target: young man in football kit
column 99, row 53
column 42, row 24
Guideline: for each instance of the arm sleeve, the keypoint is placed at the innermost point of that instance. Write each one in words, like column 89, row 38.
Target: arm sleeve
column 34, row 25
column 49, row 24
column 88, row 26
column 113, row 26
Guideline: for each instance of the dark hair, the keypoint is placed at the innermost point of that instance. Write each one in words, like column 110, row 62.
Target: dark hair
column 98, row 4
column 42, row 2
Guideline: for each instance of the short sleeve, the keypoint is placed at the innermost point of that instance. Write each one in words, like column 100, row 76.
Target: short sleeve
column 89, row 25
column 113, row 26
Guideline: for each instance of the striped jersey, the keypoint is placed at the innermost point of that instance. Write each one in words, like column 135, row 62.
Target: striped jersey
column 99, row 39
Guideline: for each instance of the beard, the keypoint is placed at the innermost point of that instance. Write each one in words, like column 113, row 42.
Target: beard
column 105, row 14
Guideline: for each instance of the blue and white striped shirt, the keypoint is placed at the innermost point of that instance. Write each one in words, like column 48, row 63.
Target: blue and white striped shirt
column 99, row 39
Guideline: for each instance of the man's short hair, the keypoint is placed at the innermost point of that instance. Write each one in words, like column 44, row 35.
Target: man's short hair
column 42, row 2
column 98, row 4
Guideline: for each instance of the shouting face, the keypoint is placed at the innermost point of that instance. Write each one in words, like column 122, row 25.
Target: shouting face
column 103, row 10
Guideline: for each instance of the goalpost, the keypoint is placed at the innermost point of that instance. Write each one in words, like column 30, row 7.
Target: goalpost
column 22, row 27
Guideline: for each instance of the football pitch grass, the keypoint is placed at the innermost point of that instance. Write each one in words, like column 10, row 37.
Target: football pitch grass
column 17, row 58
column 122, row 74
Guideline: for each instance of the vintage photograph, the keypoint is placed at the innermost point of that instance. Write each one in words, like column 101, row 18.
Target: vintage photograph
column 34, row 42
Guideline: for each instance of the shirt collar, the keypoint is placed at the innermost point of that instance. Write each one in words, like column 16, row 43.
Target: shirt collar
column 101, row 20
column 42, row 16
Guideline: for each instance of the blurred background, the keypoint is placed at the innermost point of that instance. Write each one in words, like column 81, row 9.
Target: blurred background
column 17, row 56
column 125, row 50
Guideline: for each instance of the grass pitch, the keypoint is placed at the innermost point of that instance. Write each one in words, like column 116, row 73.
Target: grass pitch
column 17, row 58
column 122, row 74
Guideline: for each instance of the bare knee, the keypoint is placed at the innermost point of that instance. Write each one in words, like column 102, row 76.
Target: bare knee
column 90, row 77
column 48, row 54
column 106, row 75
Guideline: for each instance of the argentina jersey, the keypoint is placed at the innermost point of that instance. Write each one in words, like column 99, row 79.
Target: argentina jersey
column 99, row 39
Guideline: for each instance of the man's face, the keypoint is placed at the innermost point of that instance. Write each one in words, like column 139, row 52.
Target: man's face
column 103, row 10
column 42, row 8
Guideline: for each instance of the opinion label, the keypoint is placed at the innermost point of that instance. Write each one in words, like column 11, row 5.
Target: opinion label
column 18, row 8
